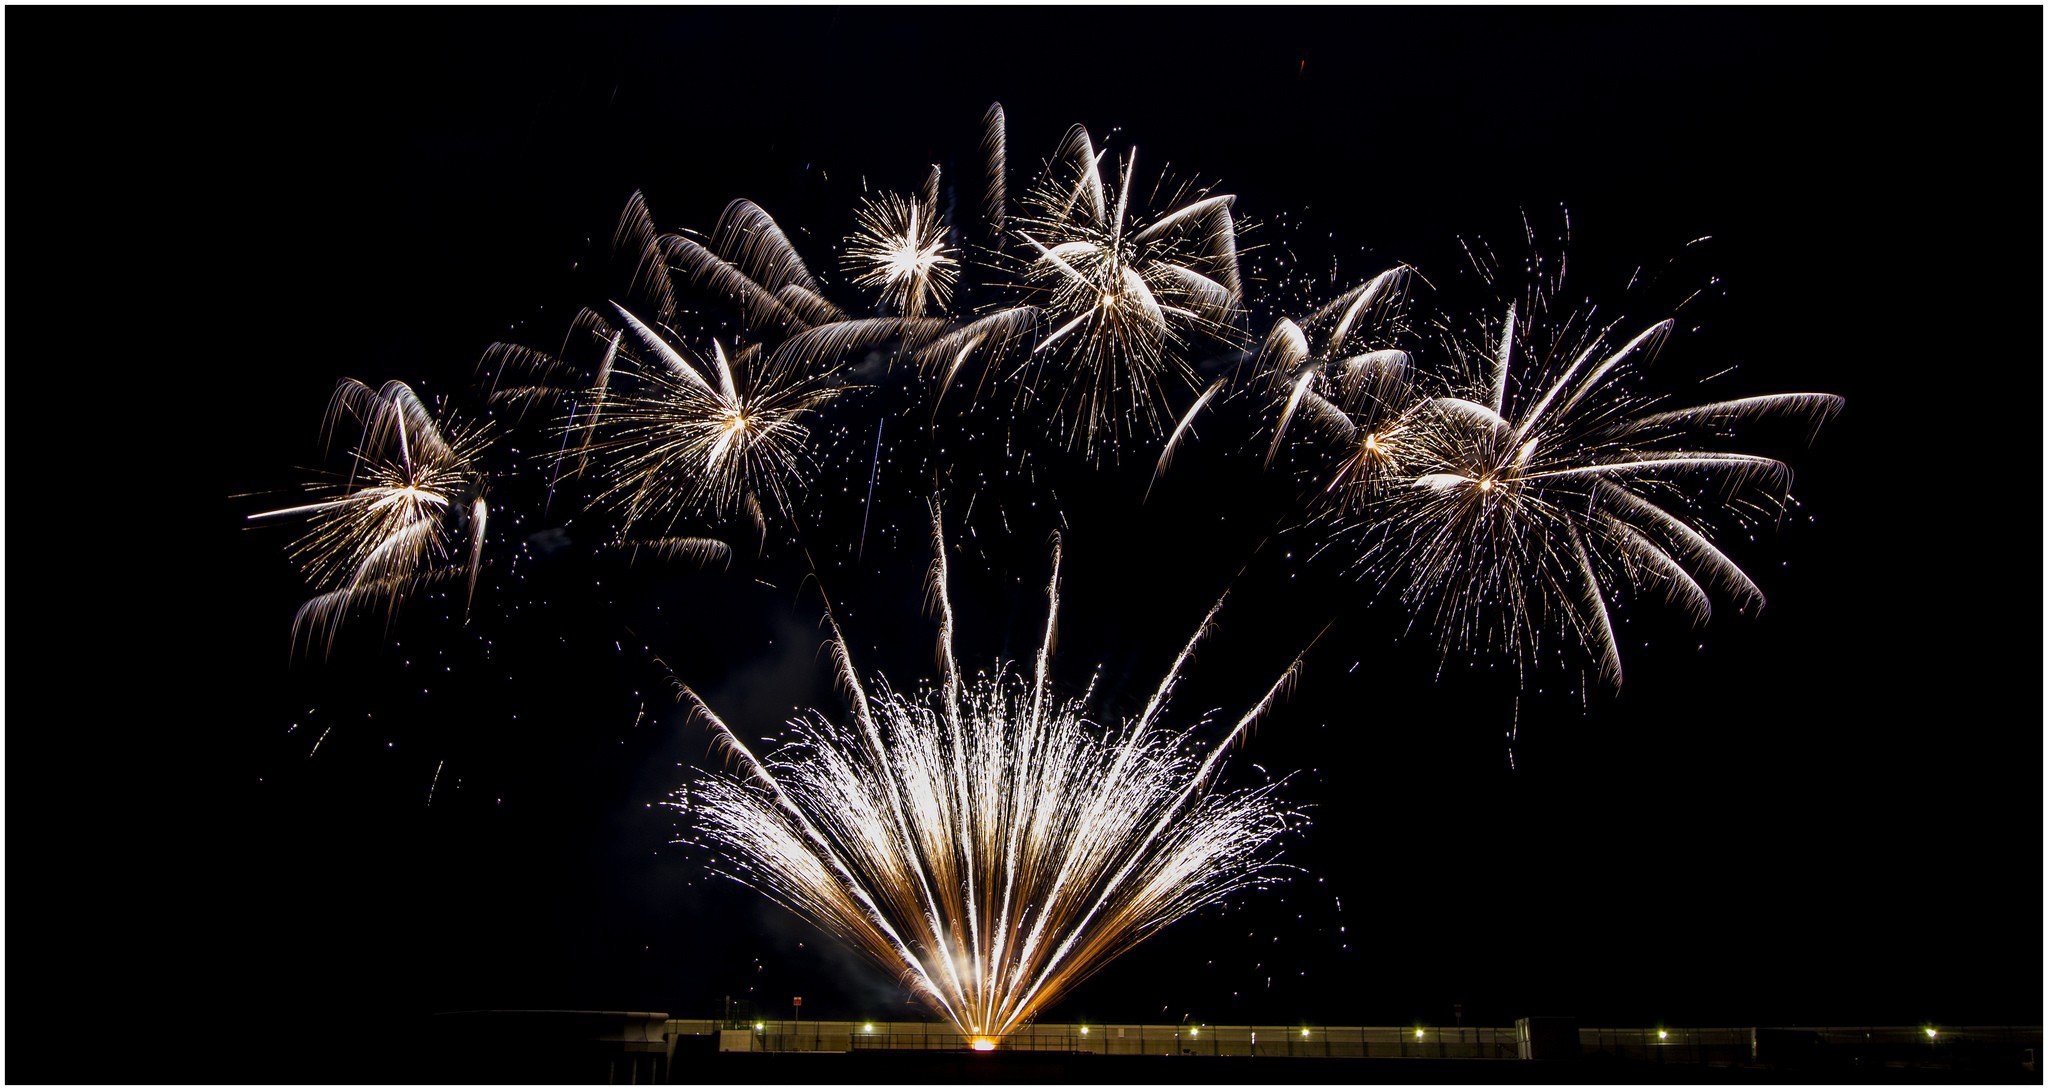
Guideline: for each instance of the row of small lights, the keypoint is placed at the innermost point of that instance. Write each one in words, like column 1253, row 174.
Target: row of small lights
column 1196, row 1031
column 1193, row 1031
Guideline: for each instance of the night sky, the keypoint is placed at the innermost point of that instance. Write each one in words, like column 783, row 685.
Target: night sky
column 1828, row 814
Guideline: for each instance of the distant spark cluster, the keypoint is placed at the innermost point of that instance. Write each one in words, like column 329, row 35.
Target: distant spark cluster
column 985, row 840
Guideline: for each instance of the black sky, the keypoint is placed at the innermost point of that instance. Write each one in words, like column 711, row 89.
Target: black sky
column 1826, row 815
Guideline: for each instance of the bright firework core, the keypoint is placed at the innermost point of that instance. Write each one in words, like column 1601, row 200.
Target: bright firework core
column 985, row 840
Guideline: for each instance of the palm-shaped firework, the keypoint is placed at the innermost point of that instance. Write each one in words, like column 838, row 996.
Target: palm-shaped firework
column 1124, row 296
column 1351, row 387
column 392, row 522
column 712, row 436
column 1531, row 502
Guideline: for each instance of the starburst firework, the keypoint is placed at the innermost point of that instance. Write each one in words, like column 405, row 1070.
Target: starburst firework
column 899, row 250
column 985, row 840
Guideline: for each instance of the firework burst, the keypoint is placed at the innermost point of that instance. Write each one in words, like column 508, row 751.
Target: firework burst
column 985, row 840
column 394, row 520
column 898, row 249
column 1337, row 378
column 676, row 436
column 1547, row 485
column 1122, row 296
column 688, row 436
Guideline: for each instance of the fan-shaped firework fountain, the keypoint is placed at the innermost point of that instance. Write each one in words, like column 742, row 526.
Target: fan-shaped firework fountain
column 985, row 840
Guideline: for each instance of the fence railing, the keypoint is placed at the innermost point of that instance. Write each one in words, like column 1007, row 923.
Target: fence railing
column 1790, row 1046
column 1353, row 1042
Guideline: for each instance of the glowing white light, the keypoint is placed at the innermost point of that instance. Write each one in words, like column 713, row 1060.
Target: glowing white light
column 899, row 248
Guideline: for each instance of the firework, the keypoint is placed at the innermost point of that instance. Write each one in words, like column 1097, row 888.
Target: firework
column 676, row 436
column 1530, row 504
column 1348, row 388
column 750, row 266
column 984, row 839
column 1122, row 297
column 393, row 522
column 683, row 435
column 899, row 250
column 995, row 171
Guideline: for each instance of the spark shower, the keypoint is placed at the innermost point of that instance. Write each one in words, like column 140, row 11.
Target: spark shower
column 986, row 840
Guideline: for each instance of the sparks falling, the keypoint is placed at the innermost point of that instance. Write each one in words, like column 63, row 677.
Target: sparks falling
column 985, row 840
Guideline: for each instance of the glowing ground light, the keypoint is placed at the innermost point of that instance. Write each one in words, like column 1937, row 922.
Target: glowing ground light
column 758, row 1027
column 1084, row 1031
column 984, row 1044
column 1932, row 1033
column 1663, row 1035
column 1304, row 1032
column 867, row 1027
column 1195, row 1032
column 1418, row 1033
